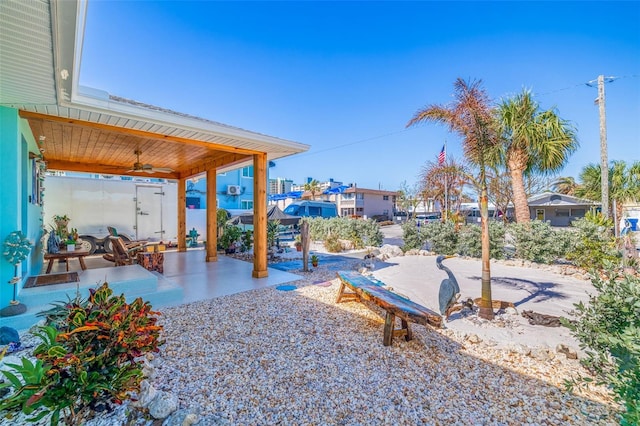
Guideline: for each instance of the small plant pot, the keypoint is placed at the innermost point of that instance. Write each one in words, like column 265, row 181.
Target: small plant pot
column 314, row 264
column 298, row 248
column 71, row 247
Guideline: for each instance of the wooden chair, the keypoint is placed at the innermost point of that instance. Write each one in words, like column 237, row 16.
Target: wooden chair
column 113, row 232
column 121, row 255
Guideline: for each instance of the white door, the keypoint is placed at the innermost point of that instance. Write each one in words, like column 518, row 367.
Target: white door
column 149, row 213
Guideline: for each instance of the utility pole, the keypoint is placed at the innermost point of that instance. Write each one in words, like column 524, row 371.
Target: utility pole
column 604, row 160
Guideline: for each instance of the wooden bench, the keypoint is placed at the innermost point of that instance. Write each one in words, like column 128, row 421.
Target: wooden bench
column 363, row 288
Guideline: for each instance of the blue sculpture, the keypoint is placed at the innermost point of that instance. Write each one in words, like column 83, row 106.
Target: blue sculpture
column 449, row 289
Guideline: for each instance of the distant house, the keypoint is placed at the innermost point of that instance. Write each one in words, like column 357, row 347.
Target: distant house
column 361, row 202
column 559, row 209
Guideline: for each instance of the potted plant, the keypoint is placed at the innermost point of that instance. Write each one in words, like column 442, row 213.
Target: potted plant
column 72, row 239
column 314, row 260
column 298, row 243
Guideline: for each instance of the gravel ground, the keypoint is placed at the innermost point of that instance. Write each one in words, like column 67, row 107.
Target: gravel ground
column 295, row 357
column 269, row 357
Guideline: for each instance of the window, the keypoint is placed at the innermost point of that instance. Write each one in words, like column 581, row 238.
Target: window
column 314, row 211
column 246, row 204
column 578, row 212
column 562, row 212
column 247, row 172
column 359, row 196
column 385, row 197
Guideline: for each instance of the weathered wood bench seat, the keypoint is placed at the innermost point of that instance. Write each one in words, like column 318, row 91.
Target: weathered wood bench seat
column 363, row 288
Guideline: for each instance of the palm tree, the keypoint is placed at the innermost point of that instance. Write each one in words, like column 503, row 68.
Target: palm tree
column 624, row 184
column 533, row 141
column 565, row 185
column 470, row 116
column 444, row 183
column 313, row 187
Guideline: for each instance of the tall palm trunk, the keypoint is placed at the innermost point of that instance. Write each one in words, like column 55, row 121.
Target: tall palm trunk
column 486, row 306
column 517, row 164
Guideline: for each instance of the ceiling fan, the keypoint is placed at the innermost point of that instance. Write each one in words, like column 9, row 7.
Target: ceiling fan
column 147, row 168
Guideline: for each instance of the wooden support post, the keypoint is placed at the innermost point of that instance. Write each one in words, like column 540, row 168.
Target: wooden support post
column 212, row 217
column 260, row 216
column 405, row 326
column 182, row 214
column 304, row 236
column 389, row 322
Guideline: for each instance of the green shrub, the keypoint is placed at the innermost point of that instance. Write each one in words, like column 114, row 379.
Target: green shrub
column 86, row 359
column 230, row 235
column 594, row 244
column 332, row 244
column 441, row 236
column 608, row 329
column 361, row 233
column 470, row 240
column 411, row 235
column 538, row 242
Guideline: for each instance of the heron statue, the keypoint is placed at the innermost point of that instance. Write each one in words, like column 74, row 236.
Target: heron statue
column 449, row 289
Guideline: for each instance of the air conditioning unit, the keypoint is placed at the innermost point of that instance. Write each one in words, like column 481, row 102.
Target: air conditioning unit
column 233, row 189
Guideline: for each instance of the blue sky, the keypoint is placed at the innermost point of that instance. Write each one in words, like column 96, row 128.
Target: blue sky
column 345, row 77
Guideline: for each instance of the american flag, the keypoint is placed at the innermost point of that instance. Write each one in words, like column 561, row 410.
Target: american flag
column 442, row 156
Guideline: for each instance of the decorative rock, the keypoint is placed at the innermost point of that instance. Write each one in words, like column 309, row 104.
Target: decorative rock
column 181, row 418
column 567, row 351
column 511, row 311
column 162, row 405
column 147, row 394
column 474, row 338
column 389, row 250
column 8, row 335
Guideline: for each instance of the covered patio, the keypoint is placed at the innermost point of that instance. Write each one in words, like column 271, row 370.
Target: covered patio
column 47, row 117
column 186, row 279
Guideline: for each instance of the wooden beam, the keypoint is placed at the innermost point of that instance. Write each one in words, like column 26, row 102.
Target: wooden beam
column 260, row 216
column 141, row 133
column 73, row 166
column 226, row 160
column 212, row 217
column 182, row 214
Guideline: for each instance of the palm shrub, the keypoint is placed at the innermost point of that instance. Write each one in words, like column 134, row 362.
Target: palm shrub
column 470, row 244
column 594, row 244
column 360, row 233
column 608, row 328
column 230, row 235
column 91, row 357
column 411, row 235
column 537, row 241
column 441, row 236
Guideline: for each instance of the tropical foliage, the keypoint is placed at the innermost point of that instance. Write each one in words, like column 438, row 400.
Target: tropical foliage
column 624, row 184
column 313, row 187
column 470, row 116
column 608, row 328
column 533, row 141
column 89, row 355
column 360, row 233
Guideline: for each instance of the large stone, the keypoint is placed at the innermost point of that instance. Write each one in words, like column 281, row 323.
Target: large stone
column 8, row 335
column 163, row 405
column 181, row 418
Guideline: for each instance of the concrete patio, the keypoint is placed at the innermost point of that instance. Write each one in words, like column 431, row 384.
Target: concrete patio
column 187, row 278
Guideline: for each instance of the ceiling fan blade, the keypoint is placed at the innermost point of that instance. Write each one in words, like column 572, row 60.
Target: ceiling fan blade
column 162, row 169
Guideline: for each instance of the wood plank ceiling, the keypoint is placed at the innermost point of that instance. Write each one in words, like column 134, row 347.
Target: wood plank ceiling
column 76, row 145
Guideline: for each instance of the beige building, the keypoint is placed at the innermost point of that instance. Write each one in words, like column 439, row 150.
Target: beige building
column 362, row 202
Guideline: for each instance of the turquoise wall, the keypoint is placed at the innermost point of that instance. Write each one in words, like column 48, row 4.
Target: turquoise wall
column 16, row 211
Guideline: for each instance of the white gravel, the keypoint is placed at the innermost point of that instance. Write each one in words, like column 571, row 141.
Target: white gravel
column 267, row 357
